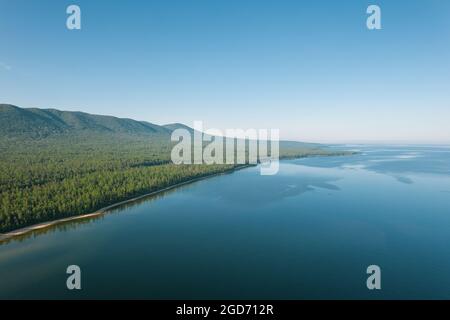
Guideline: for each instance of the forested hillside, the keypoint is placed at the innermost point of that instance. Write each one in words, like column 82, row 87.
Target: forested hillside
column 56, row 164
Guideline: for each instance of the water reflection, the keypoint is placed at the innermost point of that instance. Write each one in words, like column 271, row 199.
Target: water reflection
column 64, row 226
column 250, row 189
column 75, row 224
column 404, row 180
column 399, row 162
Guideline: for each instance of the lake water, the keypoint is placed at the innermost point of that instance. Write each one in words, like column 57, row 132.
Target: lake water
column 309, row 232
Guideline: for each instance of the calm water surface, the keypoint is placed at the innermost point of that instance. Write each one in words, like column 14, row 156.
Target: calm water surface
column 308, row 232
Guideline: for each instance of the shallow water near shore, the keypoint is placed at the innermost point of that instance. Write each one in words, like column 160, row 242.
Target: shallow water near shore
column 308, row 232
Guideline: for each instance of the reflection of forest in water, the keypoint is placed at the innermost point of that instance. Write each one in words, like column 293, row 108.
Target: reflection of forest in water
column 75, row 224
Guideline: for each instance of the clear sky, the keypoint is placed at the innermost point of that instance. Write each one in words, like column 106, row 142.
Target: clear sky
column 310, row 68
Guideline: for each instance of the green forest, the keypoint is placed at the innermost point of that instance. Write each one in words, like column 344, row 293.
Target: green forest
column 62, row 165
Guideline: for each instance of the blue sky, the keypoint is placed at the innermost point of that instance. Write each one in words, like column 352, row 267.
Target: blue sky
column 310, row 68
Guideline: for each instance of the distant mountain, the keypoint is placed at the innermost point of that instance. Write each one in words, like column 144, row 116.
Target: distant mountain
column 41, row 123
column 33, row 123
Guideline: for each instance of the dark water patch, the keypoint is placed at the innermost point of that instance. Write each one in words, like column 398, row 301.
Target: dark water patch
column 405, row 180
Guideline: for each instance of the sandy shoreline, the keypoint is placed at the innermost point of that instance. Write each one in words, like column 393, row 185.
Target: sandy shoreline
column 102, row 211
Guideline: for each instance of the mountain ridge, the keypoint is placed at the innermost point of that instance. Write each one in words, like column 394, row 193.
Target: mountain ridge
column 41, row 123
column 31, row 124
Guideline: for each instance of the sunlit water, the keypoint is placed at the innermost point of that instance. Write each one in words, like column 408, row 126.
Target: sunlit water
column 309, row 232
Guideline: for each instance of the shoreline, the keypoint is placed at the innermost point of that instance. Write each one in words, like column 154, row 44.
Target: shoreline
column 21, row 231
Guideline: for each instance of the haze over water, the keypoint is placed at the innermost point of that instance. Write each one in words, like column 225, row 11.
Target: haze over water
column 308, row 232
